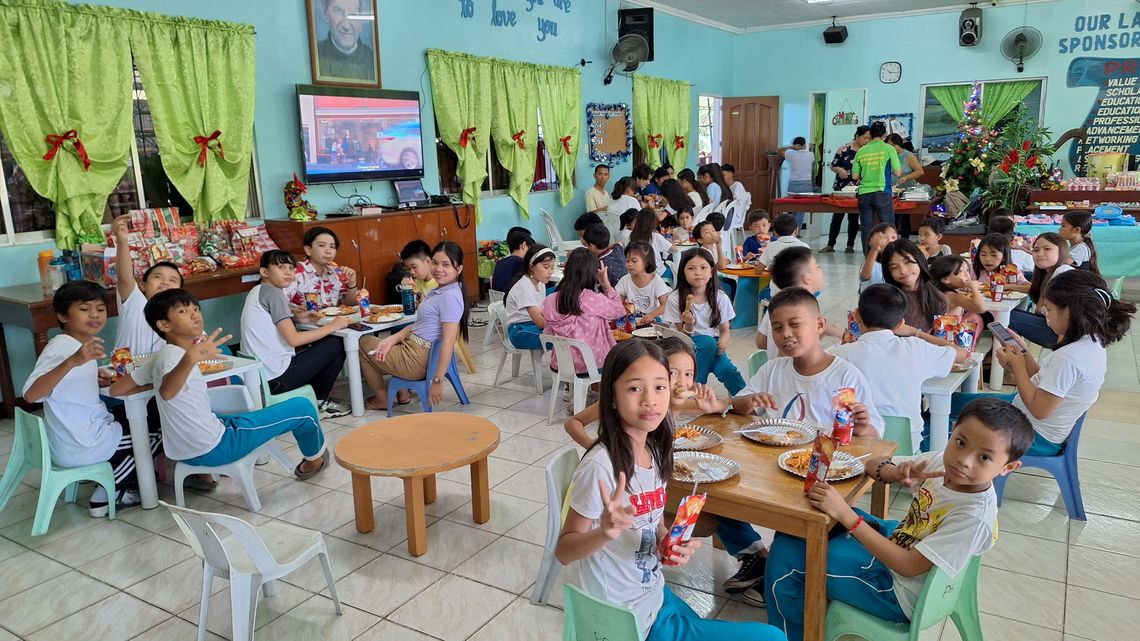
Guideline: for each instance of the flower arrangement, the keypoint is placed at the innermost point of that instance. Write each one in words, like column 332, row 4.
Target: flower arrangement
column 493, row 249
column 1023, row 147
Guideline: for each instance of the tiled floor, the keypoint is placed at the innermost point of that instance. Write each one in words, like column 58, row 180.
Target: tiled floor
column 93, row 579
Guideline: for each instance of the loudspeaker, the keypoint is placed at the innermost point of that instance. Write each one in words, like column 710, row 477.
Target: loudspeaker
column 639, row 21
column 970, row 27
column 835, row 34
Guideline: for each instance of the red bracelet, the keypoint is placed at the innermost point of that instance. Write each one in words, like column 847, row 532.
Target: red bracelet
column 857, row 524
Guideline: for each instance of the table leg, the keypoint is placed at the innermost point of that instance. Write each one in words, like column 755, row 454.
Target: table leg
column 970, row 385
column 880, row 499
column 352, row 361
column 252, row 382
column 414, row 508
column 815, row 584
column 429, row 489
column 140, row 444
column 465, row 355
column 362, row 502
column 997, row 374
column 480, row 492
column 747, row 302
column 939, row 421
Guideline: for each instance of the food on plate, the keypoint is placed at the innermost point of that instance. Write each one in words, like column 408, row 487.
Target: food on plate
column 685, row 468
column 799, row 460
column 388, row 309
column 213, row 366
column 620, row 335
column 687, row 432
column 786, row 438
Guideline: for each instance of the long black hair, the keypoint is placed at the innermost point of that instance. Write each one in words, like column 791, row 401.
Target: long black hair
column 645, row 251
column 1082, row 220
column 1041, row 276
column 454, row 253
column 620, row 187
column 674, row 193
column 644, row 224
column 688, row 176
column 712, row 170
column 711, row 289
column 611, row 435
column 944, row 267
column 1092, row 309
column 579, row 275
column 529, row 261
column 932, row 301
column 998, row 242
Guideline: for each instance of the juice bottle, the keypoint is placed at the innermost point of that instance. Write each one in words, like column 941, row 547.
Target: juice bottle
column 44, row 260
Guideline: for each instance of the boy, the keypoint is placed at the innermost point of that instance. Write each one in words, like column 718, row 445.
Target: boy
column 795, row 267
column 871, row 272
column 597, row 198
column 268, row 333
column 416, row 256
column 887, row 344
column 736, row 187
column 318, row 282
column 597, row 238
column 930, row 237
column 642, row 184
column 787, row 231
column 133, row 332
column 880, row 566
column 758, row 224
column 192, row 432
column 66, row 379
column 584, row 221
column 508, row 268
column 872, row 163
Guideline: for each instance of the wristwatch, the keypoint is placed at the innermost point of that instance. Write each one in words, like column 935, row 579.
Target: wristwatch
column 436, row 379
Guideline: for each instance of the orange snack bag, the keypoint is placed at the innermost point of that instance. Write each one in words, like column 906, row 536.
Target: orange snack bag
column 121, row 360
column 844, row 425
column 821, row 452
column 687, row 512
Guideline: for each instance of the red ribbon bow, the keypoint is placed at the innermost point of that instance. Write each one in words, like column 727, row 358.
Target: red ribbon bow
column 300, row 185
column 465, row 136
column 205, row 141
column 565, row 143
column 56, row 141
column 678, row 142
column 518, row 138
column 654, row 141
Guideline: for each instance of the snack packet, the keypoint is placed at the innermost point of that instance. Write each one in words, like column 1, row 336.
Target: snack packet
column 967, row 333
column 687, row 512
column 853, row 332
column 364, row 301
column 121, row 361
column 944, row 326
column 844, row 424
column 821, row 451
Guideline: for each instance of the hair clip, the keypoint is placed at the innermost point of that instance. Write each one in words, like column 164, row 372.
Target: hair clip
column 1105, row 297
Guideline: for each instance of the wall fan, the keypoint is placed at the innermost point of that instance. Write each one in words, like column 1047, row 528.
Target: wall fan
column 627, row 55
column 1020, row 44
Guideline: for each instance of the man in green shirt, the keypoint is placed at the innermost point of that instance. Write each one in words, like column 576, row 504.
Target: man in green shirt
column 870, row 168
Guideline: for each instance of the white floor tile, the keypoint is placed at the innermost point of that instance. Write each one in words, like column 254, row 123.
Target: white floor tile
column 452, row 609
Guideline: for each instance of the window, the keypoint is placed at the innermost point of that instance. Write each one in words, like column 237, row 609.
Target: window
column 498, row 178
column 708, row 129
column 940, row 129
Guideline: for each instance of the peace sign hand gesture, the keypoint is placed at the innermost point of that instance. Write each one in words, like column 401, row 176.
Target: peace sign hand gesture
column 207, row 347
column 913, row 474
column 617, row 514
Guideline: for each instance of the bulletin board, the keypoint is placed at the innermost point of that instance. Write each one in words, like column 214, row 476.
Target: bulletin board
column 611, row 132
column 901, row 124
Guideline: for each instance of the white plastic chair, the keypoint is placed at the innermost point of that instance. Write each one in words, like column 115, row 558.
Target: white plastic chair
column 612, row 221
column 556, row 243
column 559, row 472
column 703, row 213
column 252, row 558
column 494, row 297
column 564, row 349
column 232, row 399
column 498, row 325
column 721, row 206
column 665, row 331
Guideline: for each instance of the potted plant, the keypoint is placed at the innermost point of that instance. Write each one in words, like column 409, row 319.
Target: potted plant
column 1024, row 148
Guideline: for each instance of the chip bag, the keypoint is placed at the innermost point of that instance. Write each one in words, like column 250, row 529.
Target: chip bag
column 121, row 361
column 687, row 512
column 821, row 451
column 853, row 332
column 944, row 326
column 966, row 336
column 844, row 425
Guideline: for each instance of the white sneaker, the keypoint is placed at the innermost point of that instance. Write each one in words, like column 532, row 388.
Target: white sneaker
column 123, row 499
column 333, row 408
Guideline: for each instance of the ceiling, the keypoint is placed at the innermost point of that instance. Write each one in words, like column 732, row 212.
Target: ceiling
column 758, row 15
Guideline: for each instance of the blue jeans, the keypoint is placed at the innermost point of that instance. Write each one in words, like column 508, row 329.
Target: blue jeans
column 676, row 621
column 246, row 432
column 800, row 187
column 878, row 203
column 720, row 365
column 525, row 335
column 854, row 577
column 736, row 536
column 1032, row 327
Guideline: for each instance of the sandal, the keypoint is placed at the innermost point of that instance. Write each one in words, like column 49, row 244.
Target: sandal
column 301, row 476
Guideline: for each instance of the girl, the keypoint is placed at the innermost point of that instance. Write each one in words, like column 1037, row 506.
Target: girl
column 1054, row 393
column 881, row 235
column 684, row 230
column 625, row 222
column 624, row 195
column 1050, row 259
column 645, row 230
column 694, row 188
column 992, row 256
column 616, row 539
column 1076, row 228
column 642, row 287
column 708, row 239
column 952, row 276
column 442, row 317
column 575, row 310
column 699, row 307
column 930, row 236
column 905, row 267
column 675, row 196
column 524, row 302
column 711, row 177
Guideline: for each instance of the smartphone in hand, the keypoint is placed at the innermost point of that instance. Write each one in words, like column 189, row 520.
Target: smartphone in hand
column 1003, row 336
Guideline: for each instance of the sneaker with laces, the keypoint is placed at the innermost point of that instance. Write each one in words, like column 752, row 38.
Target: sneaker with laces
column 123, row 499
column 333, row 408
column 750, row 573
column 754, row 596
column 849, row 250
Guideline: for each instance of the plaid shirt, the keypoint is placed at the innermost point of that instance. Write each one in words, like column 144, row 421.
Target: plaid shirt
column 320, row 291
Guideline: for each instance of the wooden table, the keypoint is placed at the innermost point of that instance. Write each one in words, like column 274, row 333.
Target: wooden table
column 765, row 495
column 749, row 283
column 793, row 205
column 416, row 448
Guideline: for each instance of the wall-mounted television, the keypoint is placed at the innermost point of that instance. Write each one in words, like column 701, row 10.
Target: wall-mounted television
column 350, row 134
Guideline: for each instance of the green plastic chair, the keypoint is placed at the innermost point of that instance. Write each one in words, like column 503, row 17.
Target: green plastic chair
column 897, row 429
column 756, row 361
column 30, row 450
column 941, row 597
column 304, row 391
column 1118, row 288
column 590, row 619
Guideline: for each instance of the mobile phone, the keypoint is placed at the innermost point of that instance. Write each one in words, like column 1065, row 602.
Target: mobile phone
column 360, row 327
column 1003, row 336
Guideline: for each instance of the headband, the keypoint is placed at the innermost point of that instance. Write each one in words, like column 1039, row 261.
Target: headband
column 1105, row 297
column 540, row 253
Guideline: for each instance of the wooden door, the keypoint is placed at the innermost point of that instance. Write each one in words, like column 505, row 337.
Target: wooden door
column 751, row 129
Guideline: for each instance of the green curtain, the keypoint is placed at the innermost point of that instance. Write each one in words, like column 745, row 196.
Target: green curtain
column 560, row 101
column 662, row 111
column 461, row 93
column 818, row 106
column 67, row 68
column 199, row 79
column 514, row 126
column 951, row 98
column 999, row 98
column 679, row 111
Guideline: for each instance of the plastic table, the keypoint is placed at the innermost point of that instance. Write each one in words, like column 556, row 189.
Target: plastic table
column 749, row 283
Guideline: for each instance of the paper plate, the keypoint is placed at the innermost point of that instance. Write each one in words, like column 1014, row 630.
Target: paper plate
column 707, row 439
column 647, row 332
column 213, row 365
column 780, row 432
column 386, row 318
column 843, row 465
column 702, row 467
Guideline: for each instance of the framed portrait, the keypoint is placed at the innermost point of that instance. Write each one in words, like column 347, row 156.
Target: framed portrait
column 344, row 42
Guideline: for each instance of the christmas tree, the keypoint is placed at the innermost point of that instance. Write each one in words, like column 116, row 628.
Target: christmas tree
column 968, row 165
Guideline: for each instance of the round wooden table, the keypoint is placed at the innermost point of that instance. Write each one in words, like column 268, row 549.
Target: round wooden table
column 416, row 448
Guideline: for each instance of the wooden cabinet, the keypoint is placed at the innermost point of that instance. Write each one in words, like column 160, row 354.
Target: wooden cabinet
column 371, row 244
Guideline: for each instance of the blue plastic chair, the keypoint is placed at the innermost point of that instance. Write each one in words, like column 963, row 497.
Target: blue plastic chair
column 1063, row 467
column 423, row 388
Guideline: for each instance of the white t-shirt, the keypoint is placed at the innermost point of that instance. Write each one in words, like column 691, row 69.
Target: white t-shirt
column 644, row 299
column 697, row 204
column 777, row 246
column 910, row 361
column 265, row 306
column 799, row 162
column 623, row 203
column 661, row 246
column 189, row 428
column 627, row 570
column 739, row 192
column 623, row 237
column 946, row 526
column 596, row 199
column 876, row 276
column 1023, row 259
column 1079, row 253
column 702, row 311
column 134, row 332
column 80, row 430
column 525, row 293
column 809, row 398
column 1075, row 373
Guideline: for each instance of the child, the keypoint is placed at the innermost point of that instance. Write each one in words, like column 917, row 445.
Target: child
column 645, row 230
column 615, row 540
column 1001, row 223
column 708, row 239
column 1050, row 259
column 268, row 334
column 624, row 196
column 575, row 310
column 508, row 268
column 193, row 433
column 66, row 379
column 416, row 256
column 1076, row 229
column 718, row 222
column 881, row 235
column 133, row 332
column 524, row 302
column 992, row 256
column 880, row 566
column 642, row 287
column 584, row 221
column 795, row 267
column 318, row 282
column 887, row 344
column 759, row 223
column 953, row 277
column 905, row 267
column 930, row 237
column 1057, row 391
column 695, row 189
column 684, row 230
column 625, row 222
column 700, row 308
column 787, row 232
column 597, row 239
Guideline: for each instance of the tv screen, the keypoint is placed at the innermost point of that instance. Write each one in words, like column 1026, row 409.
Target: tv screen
column 352, row 134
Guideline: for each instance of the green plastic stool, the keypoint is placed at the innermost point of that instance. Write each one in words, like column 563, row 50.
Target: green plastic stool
column 897, row 429
column 1118, row 288
column 590, row 619
column 304, row 391
column 941, row 597
column 30, row 450
column 756, row 361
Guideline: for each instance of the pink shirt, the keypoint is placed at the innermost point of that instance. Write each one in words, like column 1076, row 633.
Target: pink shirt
column 591, row 327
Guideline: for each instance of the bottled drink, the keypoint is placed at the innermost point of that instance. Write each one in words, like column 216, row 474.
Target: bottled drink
column 999, row 291
column 44, row 260
column 408, row 298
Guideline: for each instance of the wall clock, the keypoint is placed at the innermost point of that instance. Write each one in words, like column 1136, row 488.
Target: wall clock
column 890, row 72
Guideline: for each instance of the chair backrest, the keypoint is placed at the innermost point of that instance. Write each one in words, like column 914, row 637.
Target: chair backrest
column 559, row 472
column 703, row 213
column 721, row 206
column 498, row 313
column 941, row 594
column 665, row 330
column 433, row 356
column 756, row 361
column 1118, row 288
column 897, row 429
column 552, row 230
column 31, row 437
column 1070, row 447
column 496, row 296
column 206, row 530
column 612, row 221
column 564, row 349
column 590, row 619
column 230, row 399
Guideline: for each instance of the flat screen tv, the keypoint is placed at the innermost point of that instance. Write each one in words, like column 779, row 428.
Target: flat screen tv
column 350, row 134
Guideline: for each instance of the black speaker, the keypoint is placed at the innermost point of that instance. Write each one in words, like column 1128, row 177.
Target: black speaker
column 835, row 34
column 970, row 27
column 639, row 21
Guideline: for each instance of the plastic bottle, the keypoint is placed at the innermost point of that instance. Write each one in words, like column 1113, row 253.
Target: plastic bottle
column 408, row 298
column 57, row 273
column 44, row 261
column 71, row 265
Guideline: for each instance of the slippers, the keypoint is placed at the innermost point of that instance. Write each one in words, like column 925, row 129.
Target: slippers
column 196, row 482
column 407, row 402
column 302, row 476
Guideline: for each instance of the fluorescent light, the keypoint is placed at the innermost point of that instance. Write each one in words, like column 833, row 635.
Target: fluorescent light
column 827, row 1
column 369, row 16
